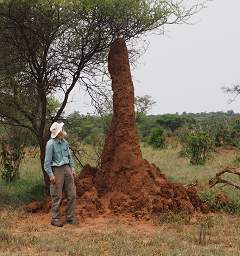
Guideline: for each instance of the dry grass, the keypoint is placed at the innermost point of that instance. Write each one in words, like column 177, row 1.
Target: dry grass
column 173, row 234
column 178, row 168
column 173, row 238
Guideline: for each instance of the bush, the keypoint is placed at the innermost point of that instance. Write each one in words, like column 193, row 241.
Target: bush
column 11, row 158
column 224, row 130
column 197, row 146
column 157, row 138
column 235, row 133
column 13, row 141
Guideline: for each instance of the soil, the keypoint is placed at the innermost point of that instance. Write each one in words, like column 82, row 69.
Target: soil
column 227, row 150
column 126, row 183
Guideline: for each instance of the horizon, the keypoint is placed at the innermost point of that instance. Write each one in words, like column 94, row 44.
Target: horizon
column 176, row 113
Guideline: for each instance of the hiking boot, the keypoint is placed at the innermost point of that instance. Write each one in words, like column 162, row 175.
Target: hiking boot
column 57, row 223
column 72, row 221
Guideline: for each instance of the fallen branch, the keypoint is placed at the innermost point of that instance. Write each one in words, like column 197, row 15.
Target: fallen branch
column 219, row 180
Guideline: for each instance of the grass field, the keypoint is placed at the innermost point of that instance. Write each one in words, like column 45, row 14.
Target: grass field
column 214, row 234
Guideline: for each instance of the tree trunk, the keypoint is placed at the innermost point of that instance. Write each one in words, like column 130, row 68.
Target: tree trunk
column 42, row 144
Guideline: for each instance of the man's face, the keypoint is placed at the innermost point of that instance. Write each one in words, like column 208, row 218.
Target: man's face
column 62, row 134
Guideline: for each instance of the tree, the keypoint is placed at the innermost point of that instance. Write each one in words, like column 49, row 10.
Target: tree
column 174, row 121
column 49, row 47
column 143, row 103
column 84, row 127
column 197, row 145
column 234, row 90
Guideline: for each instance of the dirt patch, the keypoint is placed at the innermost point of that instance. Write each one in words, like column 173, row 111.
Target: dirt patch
column 227, row 150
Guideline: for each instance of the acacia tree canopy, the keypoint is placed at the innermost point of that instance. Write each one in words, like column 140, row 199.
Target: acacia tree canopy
column 48, row 47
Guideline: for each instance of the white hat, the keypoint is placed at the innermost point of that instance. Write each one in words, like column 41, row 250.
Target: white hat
column 55, row 129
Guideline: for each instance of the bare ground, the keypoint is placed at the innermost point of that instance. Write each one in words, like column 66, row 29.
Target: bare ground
column 172, row 234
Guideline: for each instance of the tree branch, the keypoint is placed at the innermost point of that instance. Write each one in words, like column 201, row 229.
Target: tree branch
column 219, row 180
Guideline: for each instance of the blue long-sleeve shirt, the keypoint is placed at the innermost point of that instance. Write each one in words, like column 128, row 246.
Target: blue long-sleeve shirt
column 57, row 154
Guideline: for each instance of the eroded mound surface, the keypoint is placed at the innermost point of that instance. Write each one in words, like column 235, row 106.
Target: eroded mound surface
column 125, row 182
column 142, row 194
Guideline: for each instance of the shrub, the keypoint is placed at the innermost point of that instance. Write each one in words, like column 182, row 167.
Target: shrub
column 220, row 130
column 13, row 141
column 197, row 146
column 224, row 130
column 157, row 138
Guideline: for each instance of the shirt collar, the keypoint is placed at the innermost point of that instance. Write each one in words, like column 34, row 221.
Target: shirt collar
column 59, row 141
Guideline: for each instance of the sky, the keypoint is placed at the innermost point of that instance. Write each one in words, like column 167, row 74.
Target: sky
column 186, row 68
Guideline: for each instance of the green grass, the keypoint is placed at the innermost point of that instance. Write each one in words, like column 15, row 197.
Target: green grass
column 28, row 187
column 178, row 169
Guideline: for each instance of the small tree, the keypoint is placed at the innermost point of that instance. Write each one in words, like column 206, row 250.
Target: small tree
column 143, row 104
column 197, row 146
column 157, row 138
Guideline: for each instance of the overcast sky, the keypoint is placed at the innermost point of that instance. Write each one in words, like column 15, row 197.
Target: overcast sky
column 185, row 69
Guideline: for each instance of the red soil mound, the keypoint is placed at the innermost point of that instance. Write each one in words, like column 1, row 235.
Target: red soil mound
column 125, row 182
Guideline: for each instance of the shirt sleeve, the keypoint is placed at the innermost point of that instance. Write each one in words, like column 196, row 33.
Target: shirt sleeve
column 71, row 161
column 48, row 159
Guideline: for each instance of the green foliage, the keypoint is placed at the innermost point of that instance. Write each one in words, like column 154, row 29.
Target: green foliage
column 219, row 128
column 145, row 124
column 13, row 141
column 85, row 128
column 173, row 121
column 129, row 18
column 157, row 138
column 11, row 158
column 235, row 133
column 52, row 106
column 28, row 187
column 224, row 130
column 197, row 146
column 141, row 118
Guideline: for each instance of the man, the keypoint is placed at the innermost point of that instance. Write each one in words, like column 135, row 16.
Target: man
column 59, row 166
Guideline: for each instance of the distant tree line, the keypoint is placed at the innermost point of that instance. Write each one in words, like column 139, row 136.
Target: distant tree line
column 223, row 126
column 197, row 133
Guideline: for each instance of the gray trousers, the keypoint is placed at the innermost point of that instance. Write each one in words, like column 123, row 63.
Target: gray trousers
column 64, row 182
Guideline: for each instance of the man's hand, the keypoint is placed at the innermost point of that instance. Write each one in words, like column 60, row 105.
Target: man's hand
column 73, row 172
column 52, row 179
